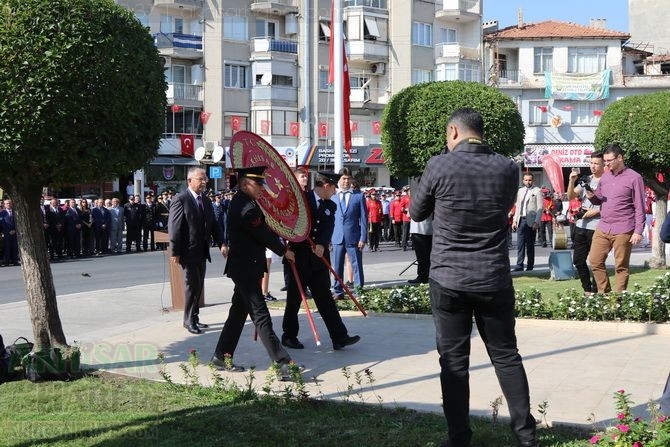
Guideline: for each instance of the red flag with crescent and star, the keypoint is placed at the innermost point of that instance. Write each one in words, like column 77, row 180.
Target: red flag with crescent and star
column 295, row 128
column 235, row 123
column 187, row 142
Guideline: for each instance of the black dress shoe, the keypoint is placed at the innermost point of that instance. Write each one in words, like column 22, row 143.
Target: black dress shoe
column 528, row 269
column 517, row 269
column 222, row 365
column 292, row 342
column 346, row 341
column 192, row 328
column 338, row 296
column 201, row 325
column 283, row 289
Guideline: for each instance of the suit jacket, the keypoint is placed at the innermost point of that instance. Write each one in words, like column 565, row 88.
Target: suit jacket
column 72, row 219
column 534, row 203
column 665, row 230
column 101, row 216
column 323, row 224
column 351, row 221
column 54, row 218
column 7, row 222
column 190, row 229
column 248, row 237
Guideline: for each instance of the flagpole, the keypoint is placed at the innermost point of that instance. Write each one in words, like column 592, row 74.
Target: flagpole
column 338, row 63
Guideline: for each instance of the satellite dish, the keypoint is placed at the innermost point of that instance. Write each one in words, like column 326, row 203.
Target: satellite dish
column 200, row 153
column 266, row 79
column 217, row 154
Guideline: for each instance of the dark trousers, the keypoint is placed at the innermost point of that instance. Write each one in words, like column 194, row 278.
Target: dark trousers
column 373, row 235
column 10, row 249
column 74, row 242
column 55, row 243
column 194, row 285
column 546, row 229
column 525, row 244
column 248, row 300
column 581, row 243
column 423, row 244
column 133, row 234
column 397, row 233
column 405, row 235
column 318, row 281
column 148, row 239
column 101, row 240
column 494, row 315
column 386, row 227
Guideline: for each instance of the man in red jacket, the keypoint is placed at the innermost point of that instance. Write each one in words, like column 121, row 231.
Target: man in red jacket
column 395, row 211
column 374, row 219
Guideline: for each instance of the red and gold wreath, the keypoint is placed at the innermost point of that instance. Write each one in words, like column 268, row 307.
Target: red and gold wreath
column 286, row 209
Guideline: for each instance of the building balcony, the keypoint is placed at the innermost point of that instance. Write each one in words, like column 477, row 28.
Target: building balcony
column 184, row 94
column 456, row 51
column 461, row 10
column 177, row 45
column 368, row 51
column 275, row 93
column 267, row 44
column 379, row 4
column 370, row 98
column 179, row 5
column 276, row 7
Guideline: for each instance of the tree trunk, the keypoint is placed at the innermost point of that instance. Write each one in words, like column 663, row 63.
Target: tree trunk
column 37, row 276
column 658, row 260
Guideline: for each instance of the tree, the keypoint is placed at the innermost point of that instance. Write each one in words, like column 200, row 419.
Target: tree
column 83, row 98
column 641, row 126
column 414, row 122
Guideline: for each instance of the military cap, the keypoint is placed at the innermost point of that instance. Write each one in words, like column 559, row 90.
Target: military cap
column 329, row 177
column 255, row 173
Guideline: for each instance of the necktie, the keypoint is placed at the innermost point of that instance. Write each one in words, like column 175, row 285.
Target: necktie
column 523, row 204
column 200, row 204
column 320, row 205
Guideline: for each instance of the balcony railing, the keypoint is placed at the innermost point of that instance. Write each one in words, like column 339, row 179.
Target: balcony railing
column 274, row 93
column 381, row 4
column 178, row 40
column 471, row 6
column 264, row 44
column 188, row 92
column 456, row 50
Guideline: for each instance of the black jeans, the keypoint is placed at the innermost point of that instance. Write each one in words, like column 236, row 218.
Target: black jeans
column 525, row 244
column 423, row 243
column 581, row 243
column 494, row 315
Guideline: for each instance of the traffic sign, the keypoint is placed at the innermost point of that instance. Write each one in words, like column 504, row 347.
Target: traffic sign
column 215, row 172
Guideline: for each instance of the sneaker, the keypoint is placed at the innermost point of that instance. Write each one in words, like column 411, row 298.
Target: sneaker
column 269, row 297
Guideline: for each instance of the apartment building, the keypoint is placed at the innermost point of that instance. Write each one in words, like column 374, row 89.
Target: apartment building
column 562, row 76
column 263, row 66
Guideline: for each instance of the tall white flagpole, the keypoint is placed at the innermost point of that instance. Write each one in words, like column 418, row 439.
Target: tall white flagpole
column 338, row 66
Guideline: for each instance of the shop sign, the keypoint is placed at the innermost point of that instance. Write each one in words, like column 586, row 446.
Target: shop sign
column 168, row 172
column 570, row 155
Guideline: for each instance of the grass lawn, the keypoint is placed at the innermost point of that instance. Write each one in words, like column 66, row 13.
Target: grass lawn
column 549, row 288
column 107, row 410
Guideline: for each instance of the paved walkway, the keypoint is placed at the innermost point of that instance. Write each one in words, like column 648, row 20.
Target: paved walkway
column 574, row 366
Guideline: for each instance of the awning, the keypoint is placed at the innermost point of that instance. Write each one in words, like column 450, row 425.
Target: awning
column 180, row 161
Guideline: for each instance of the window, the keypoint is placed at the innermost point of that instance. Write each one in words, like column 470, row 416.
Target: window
column 446, row 72
column 448, row 35
column 281, row 121
column 538, row 113
column 370, row 29
column 179, row 26
column 186, row 120
column 543, row 60
column 419, row 76
column 176, row 74
column 143, row 18
column 166, row 24
column 324, row 31
column 240, row 122
column 422, row 34
column 235, row 76
column 587, row 60
column 469, row 72
column 323, row 79
column 235, row 28
column 266, row 28
column 587, row 112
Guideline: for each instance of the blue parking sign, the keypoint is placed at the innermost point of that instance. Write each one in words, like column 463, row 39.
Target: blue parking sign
column 215, row 172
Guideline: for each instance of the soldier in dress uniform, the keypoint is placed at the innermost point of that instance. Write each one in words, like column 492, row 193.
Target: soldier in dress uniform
column 313, row 272
column 248, row 237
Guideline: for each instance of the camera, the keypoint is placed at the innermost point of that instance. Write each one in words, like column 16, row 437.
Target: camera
column 579, row 214
column 585, row 183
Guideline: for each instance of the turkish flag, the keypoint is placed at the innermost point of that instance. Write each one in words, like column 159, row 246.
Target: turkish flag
column 235, row 123
column 175, row 108
column 265, row 127
column 323, row 129
column 346, row 86
column 354, row 126
column 376, row 127
column 187, row 142
column 295, row 128
column 204, row 117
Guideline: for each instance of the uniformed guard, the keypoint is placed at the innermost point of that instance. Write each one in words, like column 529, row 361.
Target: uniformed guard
column 248, row 237
column 313, row 272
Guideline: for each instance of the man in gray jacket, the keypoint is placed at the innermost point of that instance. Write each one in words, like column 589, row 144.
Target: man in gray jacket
column 529, row 204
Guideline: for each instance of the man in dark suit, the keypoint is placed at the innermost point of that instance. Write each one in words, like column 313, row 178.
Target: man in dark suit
column 249, row 236
column 190, row 226
column 469, row 271
column 351, row 231
column 313, row 272
column 102, row 221
column 55, row 218
column 72, row 222
column 133, row 215
column 10, row 242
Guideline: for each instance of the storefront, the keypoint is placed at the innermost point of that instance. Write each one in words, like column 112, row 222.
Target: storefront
column 168, row 173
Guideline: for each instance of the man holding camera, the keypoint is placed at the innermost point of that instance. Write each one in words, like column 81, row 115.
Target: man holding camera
column 586, row 219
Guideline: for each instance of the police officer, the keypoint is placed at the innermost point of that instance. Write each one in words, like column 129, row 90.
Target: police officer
column 313, row 272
